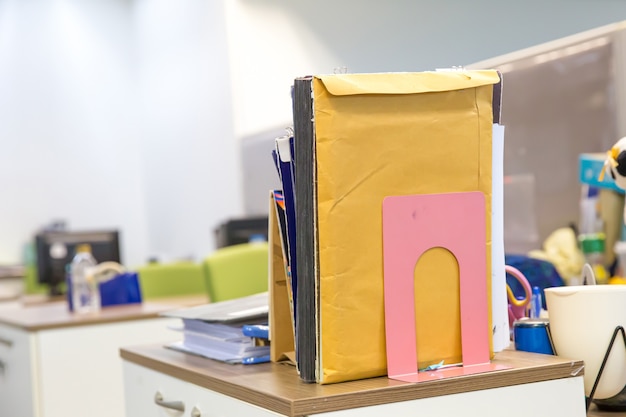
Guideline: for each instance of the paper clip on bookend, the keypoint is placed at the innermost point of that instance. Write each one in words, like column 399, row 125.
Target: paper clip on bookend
column 412, row 225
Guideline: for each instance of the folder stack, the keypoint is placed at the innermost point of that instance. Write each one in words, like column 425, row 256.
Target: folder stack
column 357, row 139
column 232, row 331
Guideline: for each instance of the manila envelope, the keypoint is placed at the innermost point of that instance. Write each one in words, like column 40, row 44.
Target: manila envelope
column 280, row 321
column 379, row 135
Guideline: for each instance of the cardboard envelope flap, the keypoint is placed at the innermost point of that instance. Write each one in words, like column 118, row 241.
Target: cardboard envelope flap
column 407, row 83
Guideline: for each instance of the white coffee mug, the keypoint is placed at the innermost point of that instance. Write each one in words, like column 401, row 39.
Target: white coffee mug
column 582, row 322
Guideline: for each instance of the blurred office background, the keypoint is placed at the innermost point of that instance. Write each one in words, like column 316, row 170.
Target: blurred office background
column 151, row 116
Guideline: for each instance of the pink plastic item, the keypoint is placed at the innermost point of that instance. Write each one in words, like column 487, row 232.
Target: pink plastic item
column 412, row 225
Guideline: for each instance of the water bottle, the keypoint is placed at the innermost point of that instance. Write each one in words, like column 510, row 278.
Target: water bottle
column 592, row 245
column 85, row 289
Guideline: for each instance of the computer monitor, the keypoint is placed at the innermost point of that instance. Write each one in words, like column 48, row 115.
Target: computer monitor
column 55, row 250
column 235, row 231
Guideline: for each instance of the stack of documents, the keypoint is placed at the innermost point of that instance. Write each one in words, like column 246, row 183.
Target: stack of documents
column 357, row 139
column 226, row 331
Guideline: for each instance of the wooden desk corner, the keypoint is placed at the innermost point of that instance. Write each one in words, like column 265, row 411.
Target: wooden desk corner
column 277, row 387
column 42, row 314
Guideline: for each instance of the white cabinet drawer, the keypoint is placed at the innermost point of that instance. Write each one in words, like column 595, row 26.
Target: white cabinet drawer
column 141, row 384
column 86, row 359
column 558, row 398
column 18, row 383
column 555, row 398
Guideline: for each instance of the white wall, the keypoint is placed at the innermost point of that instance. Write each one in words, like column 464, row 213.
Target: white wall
column 68, row 138
column 274, row 41
column 191, row 169
column 157, row 93
column 116, row 114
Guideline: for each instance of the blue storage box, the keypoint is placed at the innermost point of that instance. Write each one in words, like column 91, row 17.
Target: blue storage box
column 121, row 289
column 591, row 165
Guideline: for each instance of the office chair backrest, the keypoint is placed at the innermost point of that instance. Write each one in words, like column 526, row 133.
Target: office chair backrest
column 237, row 271
column 171, row 279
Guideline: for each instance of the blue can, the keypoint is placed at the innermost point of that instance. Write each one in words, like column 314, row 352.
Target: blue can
column 532, row 335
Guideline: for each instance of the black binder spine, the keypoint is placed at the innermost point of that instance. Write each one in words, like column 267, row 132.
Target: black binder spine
column 306, row 254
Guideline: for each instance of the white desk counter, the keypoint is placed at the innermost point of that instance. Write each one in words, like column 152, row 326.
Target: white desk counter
column 57, row 364
column 536, row 385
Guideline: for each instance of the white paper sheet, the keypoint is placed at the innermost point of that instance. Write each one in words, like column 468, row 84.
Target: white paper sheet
column 499, row 307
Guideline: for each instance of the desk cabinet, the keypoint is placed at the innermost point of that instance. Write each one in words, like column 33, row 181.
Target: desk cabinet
column 54, row 364
column 18, row 381
column 143, row 384
column 207, row 388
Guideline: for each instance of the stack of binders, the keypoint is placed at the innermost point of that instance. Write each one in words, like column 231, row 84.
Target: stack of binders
column 232, row 331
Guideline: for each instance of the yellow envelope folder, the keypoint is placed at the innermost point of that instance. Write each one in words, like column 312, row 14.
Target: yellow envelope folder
column 380, row 135
column 280, row 314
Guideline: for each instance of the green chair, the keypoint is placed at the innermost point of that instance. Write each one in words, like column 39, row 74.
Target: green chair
column 174, row 279
column 237, row 271
column 31, row 276
column 31, row 283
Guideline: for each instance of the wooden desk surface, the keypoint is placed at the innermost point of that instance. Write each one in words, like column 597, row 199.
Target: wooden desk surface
column 277, row 387
column 12, row 271
column 50, row 315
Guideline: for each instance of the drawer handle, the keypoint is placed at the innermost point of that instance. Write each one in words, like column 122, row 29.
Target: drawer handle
column 195, row 412
column 6, row 342
column 172, row 405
